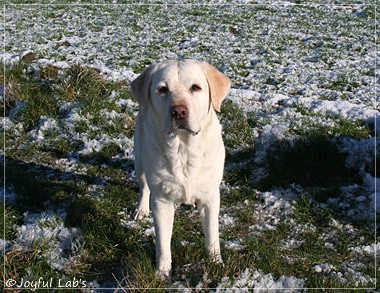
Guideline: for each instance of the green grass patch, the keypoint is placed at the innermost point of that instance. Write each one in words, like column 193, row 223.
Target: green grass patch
column 37, row 97
column 84, row 84
column 11, row 218
column 42, row 93
column 237, row 125
column 307, row 211
column 26, row 264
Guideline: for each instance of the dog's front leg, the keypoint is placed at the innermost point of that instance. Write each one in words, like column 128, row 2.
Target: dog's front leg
column 142, row 209
column 163, row 216
column 209, row 213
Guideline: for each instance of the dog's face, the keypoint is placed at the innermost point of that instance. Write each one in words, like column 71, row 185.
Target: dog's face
column 180, row 94
column 179, row 91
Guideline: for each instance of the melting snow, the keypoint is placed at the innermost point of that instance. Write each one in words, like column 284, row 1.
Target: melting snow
column 48, row 229
column 260, row 282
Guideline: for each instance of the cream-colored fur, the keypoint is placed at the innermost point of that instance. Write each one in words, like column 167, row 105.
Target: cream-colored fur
column 179, row 149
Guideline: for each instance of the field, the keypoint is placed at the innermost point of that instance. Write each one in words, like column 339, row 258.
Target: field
column 300, row 125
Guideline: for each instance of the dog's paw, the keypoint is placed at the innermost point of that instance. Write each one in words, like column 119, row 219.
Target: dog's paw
column 140, row 214
column 163, row 275
column 217, row 259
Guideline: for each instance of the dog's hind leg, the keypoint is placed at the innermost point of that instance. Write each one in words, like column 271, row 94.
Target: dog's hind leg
column 209, row 213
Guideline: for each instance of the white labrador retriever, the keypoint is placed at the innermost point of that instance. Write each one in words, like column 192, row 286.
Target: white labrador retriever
column 179, row 148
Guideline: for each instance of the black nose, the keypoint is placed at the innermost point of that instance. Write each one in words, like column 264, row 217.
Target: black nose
column 179, row 112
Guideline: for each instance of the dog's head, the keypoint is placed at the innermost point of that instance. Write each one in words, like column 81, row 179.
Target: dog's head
column 180, row 93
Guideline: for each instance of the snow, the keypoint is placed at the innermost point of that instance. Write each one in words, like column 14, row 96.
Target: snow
column 94, row 145
column 324, row 268
column 4, row 246
column 259, row 282
column 48, row 229
column 349, row 275
column 234, row 245
column 46, row 125
column 59, row 64
column 226, row 220
column 373, row 249
column 272, row 210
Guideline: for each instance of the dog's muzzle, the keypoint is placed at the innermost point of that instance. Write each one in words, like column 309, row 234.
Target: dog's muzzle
column 180, row 116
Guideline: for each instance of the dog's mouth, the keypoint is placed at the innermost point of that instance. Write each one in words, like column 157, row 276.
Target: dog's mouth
column 181, row 127
column 192, row 132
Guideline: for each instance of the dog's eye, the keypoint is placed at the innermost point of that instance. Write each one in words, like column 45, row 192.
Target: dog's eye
column 195, row 88
column 163, row 90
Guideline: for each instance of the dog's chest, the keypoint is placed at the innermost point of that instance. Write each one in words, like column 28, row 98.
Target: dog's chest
column 184, row 160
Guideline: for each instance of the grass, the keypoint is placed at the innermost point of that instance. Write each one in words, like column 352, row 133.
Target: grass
column 97, row 194
column 12, row 218
column 233, row 118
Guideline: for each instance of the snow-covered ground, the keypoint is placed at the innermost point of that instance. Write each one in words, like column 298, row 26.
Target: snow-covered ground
column 281, row 58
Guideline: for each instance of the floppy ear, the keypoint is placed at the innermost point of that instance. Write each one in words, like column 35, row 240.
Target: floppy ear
column 140, row 87
column 218, row 83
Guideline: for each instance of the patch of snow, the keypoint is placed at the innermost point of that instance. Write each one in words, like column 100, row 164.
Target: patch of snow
column 226, row 221
column 68, row 164
column 324, row 268
column 116, row 74
column 359, row 201
column 372, row 249
column 259, row 282
column 347, row 275
column 94, row 145
column 46, row 125
column 126, row 104
column 274, row 209
column 234, row 245
column 129, row 224
column 149, row 232
column 350, row 275
column 64, row 244
column 360, row 153
column 4, row 246
column 7, row 124
column 58, row 64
